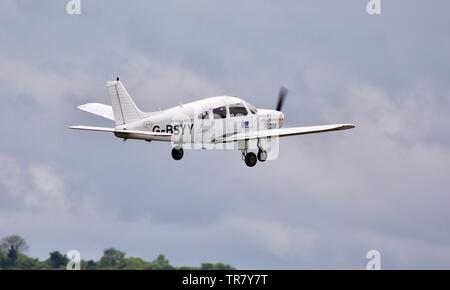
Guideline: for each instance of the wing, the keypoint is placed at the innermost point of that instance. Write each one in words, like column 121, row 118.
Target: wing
column 129, row 134
column 283, row 132
column 101, row 110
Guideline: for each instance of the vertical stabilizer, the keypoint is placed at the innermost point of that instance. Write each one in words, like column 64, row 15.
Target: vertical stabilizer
column 124, row 109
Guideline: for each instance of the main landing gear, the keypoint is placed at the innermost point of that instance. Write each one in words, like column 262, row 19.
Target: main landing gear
column 251, row 158
column 177, row 152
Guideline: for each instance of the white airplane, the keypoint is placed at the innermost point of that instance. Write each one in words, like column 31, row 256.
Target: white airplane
column 218, row 122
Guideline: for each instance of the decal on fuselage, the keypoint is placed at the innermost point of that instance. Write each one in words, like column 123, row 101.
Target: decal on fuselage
column 174, row 129
column 245, row 124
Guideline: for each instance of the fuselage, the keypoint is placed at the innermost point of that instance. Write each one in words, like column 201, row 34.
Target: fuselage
column 204, row 120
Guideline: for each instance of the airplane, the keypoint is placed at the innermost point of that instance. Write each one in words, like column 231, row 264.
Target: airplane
column 217, row 122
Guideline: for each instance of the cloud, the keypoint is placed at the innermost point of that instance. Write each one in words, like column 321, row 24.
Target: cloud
column 36, row 186
column 50, row 90
column 155, row 85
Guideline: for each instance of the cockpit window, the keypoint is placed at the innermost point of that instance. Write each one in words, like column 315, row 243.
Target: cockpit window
column 252, row 109
column 238, row 109
column 220, row 112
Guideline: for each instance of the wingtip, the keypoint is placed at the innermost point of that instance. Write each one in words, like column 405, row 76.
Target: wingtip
column 81, row 107
column 348, row 126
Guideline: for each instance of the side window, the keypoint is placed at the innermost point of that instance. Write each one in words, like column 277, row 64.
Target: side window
column 204, row 115
column 220, row 112
column 238, row 110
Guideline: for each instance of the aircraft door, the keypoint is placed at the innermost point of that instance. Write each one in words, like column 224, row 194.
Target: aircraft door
column 219, row 119
column 206, row 130
column 239, row 119
column 213, row 123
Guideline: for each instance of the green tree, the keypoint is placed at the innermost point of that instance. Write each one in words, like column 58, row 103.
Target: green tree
column 137, row 264
column 13, row 246
column 89, row 265
column 26, row 263
column 12, row 249
column 162, row 263
column 112, row 259
column 2, row 259
column 57, row 260
column 217, row 266
column 190, row 268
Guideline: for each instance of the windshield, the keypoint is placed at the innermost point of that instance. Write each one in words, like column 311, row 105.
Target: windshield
column 237, row 109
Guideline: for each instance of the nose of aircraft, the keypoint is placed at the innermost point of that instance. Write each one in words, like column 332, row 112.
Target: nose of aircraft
column 280, row 120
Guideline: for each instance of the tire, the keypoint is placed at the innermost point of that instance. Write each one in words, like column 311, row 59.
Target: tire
column 177, row 153
column 262, row 156
column 250, row 159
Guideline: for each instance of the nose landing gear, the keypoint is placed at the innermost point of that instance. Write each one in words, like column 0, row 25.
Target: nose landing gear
column 262, row 155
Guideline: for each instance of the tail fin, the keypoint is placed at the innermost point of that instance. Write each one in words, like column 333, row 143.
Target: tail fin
column 124, row 109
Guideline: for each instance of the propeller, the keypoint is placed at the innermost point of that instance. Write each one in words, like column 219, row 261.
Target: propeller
column 281, row 96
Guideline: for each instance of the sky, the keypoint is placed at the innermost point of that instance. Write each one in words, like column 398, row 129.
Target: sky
column 324, row 203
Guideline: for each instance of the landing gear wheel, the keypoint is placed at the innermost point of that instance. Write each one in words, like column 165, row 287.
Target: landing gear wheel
column 250, row 159
column 177, row 153
column 262, row 155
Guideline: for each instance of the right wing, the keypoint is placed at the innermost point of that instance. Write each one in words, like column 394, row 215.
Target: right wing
column 129, row 134
column 101, row 110
column 282, row 132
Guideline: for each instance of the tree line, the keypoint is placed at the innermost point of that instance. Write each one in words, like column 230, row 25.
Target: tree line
column 13, row 256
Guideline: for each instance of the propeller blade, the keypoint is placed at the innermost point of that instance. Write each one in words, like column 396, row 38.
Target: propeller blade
column 281, row 96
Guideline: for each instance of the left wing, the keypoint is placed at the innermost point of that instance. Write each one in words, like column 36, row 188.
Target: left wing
column 283, row 132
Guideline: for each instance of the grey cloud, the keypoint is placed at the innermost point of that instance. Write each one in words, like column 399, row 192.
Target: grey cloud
column 36, row 185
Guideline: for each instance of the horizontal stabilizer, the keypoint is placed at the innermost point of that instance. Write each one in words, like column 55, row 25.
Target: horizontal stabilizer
column 101, row 110
column 90, row 128
column 128, row 134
